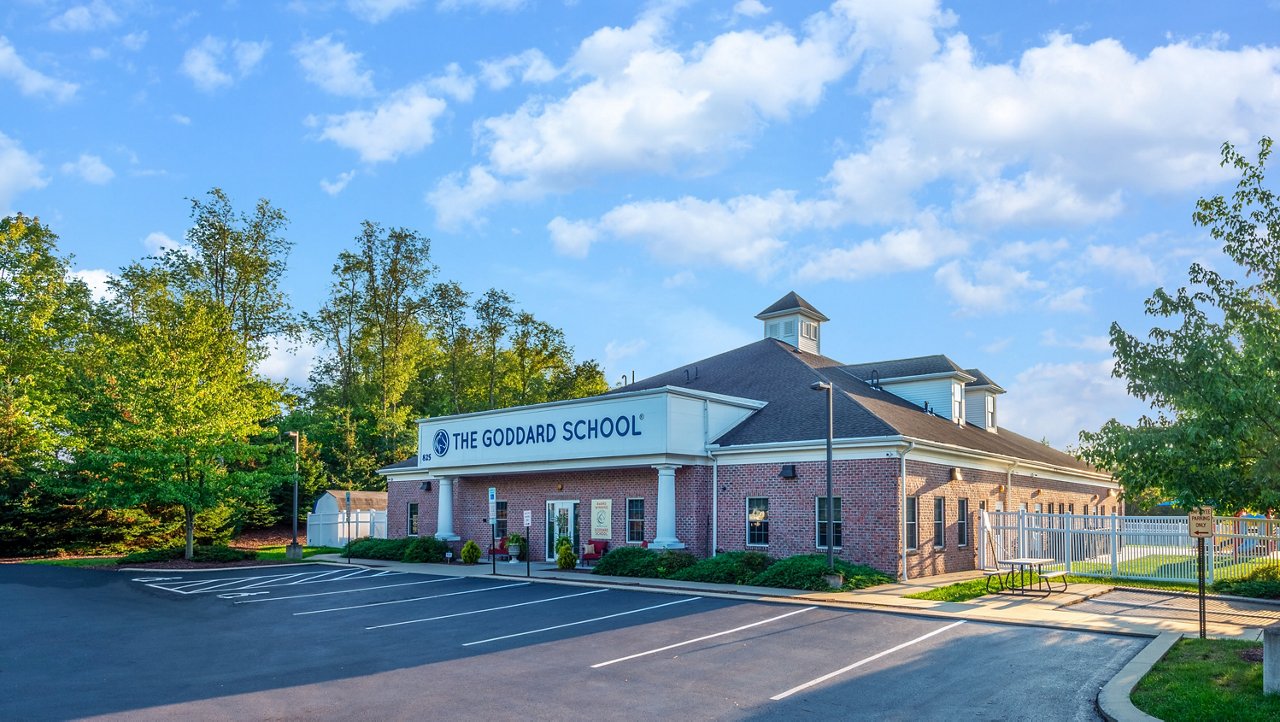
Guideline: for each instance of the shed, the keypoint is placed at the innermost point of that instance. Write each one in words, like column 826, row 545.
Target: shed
column 329, row 524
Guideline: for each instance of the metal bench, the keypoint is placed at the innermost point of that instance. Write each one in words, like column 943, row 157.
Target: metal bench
column 1046, row 579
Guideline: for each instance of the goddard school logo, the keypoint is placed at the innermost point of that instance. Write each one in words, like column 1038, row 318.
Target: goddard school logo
column 441, row 442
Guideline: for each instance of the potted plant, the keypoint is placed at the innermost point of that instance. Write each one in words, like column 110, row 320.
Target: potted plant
column 515, row 546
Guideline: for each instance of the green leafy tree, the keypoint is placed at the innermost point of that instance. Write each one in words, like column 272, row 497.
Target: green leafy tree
column 1214, row 377
column 447, row 309
column 172, row 406
column 494, row 313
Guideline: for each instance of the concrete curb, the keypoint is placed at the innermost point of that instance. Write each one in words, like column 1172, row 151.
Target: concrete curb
column 1113, row 700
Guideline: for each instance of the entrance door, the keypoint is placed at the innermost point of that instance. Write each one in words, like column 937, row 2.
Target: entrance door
column 562, row 520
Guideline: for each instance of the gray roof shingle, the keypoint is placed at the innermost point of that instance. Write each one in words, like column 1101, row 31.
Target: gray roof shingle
column 902, row 367
column 791, row 302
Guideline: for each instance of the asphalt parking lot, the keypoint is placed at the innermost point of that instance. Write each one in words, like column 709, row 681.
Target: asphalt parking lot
column 327, row 641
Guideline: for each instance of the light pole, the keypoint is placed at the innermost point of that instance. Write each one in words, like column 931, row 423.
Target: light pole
column 294, row 551
column 831, row 512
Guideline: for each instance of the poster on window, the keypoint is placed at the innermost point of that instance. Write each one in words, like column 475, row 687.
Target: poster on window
column 602, row 518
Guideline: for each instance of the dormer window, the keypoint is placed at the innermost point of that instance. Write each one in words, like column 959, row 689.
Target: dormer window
column 794, row 321
column 809, row 330
column 991, row 411
column 957, row 404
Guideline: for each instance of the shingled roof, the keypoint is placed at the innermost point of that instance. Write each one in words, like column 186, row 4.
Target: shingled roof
column 791, row 302
column 981, row 380
column 779, row 374
column 903, row 367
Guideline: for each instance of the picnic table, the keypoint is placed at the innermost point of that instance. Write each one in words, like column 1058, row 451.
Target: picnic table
column 1020, row 568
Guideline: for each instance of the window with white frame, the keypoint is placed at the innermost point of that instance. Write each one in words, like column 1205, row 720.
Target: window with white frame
column 939, row 522
column 1039, row 507
column 820, row 506
column 991, row 411
column 912, row 522
column 413, row 519
column 500, row 529
column 962, row 522
column 772, row 329
column 957, row 403
column 635, row 520
column 758, row 521
column 809, row 329
column 788, row 328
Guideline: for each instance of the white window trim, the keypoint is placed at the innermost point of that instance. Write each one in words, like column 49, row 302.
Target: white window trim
column 913, row 502
column 819, row 525
column 627, row 531
column 939, row 523
column 962, row 522
column 408, row 519
column 747, row 538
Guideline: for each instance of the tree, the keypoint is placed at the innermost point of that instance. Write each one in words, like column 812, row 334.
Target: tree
column 236, row 261
column 494, row 313
column 447, row 309
column 1214, row 379
column 43, row 312
column 172, row 405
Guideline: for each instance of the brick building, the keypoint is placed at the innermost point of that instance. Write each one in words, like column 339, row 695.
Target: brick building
column 729, row 453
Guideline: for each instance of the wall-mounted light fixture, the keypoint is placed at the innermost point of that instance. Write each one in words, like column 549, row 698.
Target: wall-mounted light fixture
column 1037, row 492
column 788, row 471
column 956, row 474
column 560, row 487
column 425, row 486
column 999, row 488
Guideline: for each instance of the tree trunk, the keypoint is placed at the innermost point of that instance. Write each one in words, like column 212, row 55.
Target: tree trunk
column 191, row 530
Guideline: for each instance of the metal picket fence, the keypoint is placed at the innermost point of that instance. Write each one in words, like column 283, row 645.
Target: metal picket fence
column 1156, row 548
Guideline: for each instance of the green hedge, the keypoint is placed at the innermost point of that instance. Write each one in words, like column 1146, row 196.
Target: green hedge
column 201, row 553
column 392, row 550
column 641, row 562
column 425, row 549
column 727, row 568
column 806, row 571
column 1261, row 583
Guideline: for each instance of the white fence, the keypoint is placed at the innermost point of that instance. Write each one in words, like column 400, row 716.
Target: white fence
column 335, row 529
column 1135, row 547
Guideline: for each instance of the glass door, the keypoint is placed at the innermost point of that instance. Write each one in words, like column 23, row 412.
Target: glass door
column 562, row 520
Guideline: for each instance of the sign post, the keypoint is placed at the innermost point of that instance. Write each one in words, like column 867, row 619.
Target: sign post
column 493, row 528
column 348, row 527
column 528, row 551
column 1200, row 526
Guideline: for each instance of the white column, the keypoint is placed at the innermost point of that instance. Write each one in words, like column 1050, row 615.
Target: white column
column 666, row 538
column 444, row 512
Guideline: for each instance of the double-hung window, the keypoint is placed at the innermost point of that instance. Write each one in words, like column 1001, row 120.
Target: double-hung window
column 962, row 523
column 836, row 532
column 500, row 527
column 939, row 522
column 912, row 509
column 413, row 519
column 758, row 521
column 635, row 520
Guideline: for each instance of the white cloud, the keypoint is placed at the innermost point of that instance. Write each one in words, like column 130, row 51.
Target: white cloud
column 1072, row 300
column 337, row 185
column 30, row 81
column 134, row 41
column 157, row 242
column 1034, row 199
column 1057, row 401
column 482, row 5
column 329, row 65
column 375, row 11
column 1125, row 262
column 680, row 279
column 903, row 249
column 572, row 238
column 180, row 119
column 81, row 18
column 454, row 83
column 1099, row 344
column 998, row 345
column 90, row 169
column 285, row 362
column 19, row 171
column 990, row 288
column 750, row 8
column 402, row 125
column 616, row 352
column 644, row 106
column 204, row 62
column 96, row 279
column 531, row 66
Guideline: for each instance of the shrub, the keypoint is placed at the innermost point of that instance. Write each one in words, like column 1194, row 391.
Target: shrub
column 385, row 549
column 1269, row 573
column 425, row 549
column 806, row 571
column 200, row 553
column 1263, row 589
column 565, row 558
column 624, row 562
column 726, row 568
column 470, row 552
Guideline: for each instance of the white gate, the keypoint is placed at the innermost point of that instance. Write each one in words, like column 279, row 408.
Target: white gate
column 335, row 529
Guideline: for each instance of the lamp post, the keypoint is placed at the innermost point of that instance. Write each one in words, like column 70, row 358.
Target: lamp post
column 831, row 512
column 294, row 551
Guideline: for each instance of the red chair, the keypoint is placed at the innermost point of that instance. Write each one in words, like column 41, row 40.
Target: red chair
column 500, row 551
column 592, row 551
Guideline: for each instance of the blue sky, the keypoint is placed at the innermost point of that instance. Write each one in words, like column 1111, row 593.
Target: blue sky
column 996, row 182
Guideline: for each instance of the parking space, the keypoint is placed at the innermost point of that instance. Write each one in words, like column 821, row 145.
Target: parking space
column 382, row 644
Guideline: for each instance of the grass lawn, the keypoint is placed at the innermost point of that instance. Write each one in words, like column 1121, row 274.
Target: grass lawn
column 84, row 562
column 974, row 588
column 1169, row 565
column 1206, row 679
column 277, row 552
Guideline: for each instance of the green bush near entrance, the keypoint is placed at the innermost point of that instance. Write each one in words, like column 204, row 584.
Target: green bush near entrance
column 425, row 549
column 727, row 568
column 391, row 550
column 808, row 571
column 470, row 552
column 1261, row 583
column 641, row 562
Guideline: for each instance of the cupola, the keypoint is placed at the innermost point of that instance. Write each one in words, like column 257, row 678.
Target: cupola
column 793, row 320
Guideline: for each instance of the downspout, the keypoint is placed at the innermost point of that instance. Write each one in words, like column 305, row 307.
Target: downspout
column 902, row 504
column 1008, row 481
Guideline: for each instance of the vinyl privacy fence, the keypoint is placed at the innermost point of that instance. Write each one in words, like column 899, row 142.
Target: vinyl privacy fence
column 1156, row 548
column 335, row 529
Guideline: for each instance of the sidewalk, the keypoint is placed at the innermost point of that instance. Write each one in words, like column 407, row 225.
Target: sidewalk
column 1052, row 611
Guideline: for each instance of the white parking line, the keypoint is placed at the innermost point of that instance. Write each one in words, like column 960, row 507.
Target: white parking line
column 411, row 599
column 229, row 584
column 584, row 621
column 350, row 591
column 703, row 638
column 861, row 662
column 481, row 611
